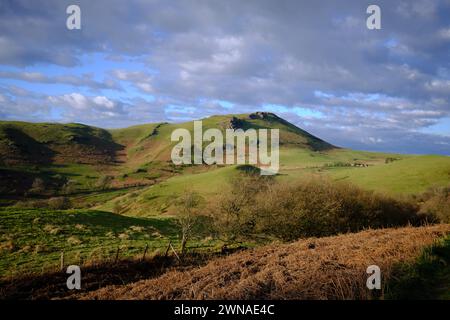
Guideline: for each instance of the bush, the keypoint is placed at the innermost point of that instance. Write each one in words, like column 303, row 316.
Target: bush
column 320, row 207
column 32, row 204
column 59, row 203
column 56, row 203
column 38, row 186
column 69, row 187
column 104, row 182
column 311, row 208
column 436, row 202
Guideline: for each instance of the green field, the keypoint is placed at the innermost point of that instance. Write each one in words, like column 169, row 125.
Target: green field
column 405, row 176
column 411, row 175
column 32, row 240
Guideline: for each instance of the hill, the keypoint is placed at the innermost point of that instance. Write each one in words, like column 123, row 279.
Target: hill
column 150, row 145
column 44, row 143
column 139, row 157
column 315, row 268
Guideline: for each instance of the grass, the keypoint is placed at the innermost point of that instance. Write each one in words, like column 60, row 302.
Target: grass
column 32, row 240
column 314, row 268
column 292, row 159
column 414, row 174
column 160, row 198
column 142, row 157
column 97, row 198
column 427, row 278
column 407, row 175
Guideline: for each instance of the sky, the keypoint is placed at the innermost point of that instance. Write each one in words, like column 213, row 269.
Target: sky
column 314, row 63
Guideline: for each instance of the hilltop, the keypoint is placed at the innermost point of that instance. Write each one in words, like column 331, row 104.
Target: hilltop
column 45, row 143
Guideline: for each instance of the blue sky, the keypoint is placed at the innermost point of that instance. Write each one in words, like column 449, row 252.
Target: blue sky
column 314, row 64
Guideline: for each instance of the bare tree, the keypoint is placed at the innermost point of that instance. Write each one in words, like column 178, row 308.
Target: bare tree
column 188, row 216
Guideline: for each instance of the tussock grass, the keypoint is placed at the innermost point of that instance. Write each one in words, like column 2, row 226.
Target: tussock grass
column 314, row 268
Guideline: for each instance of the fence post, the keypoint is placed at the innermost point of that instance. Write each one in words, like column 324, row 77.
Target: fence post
column 145, row 252
column 62, row 261
column 117, row 255
column 168, row 248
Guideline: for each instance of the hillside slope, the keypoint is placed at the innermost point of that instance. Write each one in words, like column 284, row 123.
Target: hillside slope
column 139, row 156
column 316, row 268
column 44, row 143
column 152, row 143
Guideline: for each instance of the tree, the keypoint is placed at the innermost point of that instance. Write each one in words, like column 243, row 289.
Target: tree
column 188, row 216
column 38, row 186
column 234, row 212
column 69, row 187
column 104, row 182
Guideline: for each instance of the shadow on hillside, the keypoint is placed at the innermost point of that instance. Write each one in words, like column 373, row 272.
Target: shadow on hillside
column 53, row 285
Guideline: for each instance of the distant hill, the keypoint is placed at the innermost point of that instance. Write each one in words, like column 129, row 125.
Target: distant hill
column 139, row 156
column 45, row 143
column 151, row 142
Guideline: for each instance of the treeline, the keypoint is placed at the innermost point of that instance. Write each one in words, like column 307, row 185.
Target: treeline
column 261, row 206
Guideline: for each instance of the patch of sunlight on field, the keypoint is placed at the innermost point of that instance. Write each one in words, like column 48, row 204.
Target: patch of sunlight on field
column 160, row 198
column 295, row 158
column 414, row 174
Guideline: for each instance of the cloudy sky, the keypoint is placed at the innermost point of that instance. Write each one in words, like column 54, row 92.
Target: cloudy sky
column 314, row 63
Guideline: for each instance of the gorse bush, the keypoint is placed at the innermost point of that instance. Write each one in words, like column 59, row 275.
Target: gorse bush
column 313, row 207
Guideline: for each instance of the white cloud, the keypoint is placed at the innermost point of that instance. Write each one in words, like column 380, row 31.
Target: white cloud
column 75, row 100
column 104, row 102
column 445, row 33
column 315, row 55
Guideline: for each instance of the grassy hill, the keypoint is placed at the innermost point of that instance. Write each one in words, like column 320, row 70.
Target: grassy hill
column 139, row 157
column 149, row 146
column 43, row 143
